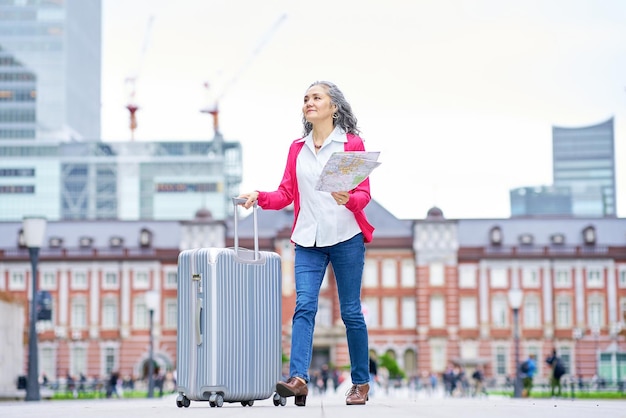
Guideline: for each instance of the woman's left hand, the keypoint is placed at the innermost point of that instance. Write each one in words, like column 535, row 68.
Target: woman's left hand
column 341, row 197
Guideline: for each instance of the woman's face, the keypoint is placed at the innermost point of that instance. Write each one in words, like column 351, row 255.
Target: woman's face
column 317, row 106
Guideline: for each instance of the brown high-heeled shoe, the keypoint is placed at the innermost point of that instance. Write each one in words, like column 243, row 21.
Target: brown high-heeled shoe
column 295, row 386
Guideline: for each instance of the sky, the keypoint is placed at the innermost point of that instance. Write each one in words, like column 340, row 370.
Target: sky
column 459, row 96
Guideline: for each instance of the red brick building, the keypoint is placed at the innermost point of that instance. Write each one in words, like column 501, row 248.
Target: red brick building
column 434, row 291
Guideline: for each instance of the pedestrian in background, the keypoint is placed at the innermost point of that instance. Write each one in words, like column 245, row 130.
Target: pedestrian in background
column 373, row 368
column 557, row 371
column 528, row 369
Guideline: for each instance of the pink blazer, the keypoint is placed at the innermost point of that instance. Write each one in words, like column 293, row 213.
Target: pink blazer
column 288, row 189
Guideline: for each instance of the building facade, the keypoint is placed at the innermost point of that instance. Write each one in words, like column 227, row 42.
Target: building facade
column 434, row 291
column 118, row 180
column 59, row 44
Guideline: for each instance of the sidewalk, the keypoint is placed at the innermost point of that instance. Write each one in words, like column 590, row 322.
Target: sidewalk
column 330, row 405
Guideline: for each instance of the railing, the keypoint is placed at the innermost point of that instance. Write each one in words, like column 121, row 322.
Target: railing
column 77, row 252
column 494, row 252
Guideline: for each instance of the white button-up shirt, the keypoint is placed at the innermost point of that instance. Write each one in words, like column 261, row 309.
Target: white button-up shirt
column 321, row 222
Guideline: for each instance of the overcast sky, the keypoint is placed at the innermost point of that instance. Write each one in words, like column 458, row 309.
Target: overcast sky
column 458, row 96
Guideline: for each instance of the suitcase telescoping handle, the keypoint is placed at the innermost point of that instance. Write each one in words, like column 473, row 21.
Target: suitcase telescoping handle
column 238, row 201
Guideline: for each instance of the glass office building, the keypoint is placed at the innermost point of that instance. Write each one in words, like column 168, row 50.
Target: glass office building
column 119, row 180
column 59, row 44
column 540, row 201
column 53, row 161
column 584, row 162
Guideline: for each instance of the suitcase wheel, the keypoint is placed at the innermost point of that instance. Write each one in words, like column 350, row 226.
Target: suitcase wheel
column 182, row 400
column 279, row 400
column 216, row 399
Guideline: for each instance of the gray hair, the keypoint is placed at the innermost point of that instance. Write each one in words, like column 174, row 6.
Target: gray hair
column 345, row 118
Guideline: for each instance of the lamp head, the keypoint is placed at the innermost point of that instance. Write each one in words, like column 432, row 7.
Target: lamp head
column 515, row 298
column 152, row 299
column 34, row 228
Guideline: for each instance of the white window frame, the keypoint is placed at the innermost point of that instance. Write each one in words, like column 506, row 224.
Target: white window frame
column 110, row 313
column 563, row 312
column 595, row 278
column 141, row 279
column 109, row 350
column 437, row 274
column 141, row 315
column 621, row 281
column 595, row 311
column 437, row 311
column 17, row 280
column 108, row 285
column 499, row 277
column 438, row 358
column 79, row 280
column 171, row 313
column 171, row 279
column 407, row 272
column 47, row 360
column 500, row 312
column 390, row 273
column 563, row 278
column 501, row 361
column 370, row 273
column 409, row 313
column 532, row 312
column 48, row 280
column 468, row 312
column 390, row 312
column 467, row 276
column 530, row 278
column 78, row 359
column 78, row 312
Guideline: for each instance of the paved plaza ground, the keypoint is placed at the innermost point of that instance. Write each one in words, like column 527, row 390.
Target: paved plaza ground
column 324, row 406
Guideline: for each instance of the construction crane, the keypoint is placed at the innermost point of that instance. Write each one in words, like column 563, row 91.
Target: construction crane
column 131, row 80
column 212, row 107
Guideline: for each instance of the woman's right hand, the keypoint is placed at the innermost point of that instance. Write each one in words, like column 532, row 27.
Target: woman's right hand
column 250, row 199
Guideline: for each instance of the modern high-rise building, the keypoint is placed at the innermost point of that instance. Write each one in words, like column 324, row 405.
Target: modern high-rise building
column 541, row 201
column 583, row 167
column 53, row 160
column 50, row 69
column 118, row 180
column 584, row 160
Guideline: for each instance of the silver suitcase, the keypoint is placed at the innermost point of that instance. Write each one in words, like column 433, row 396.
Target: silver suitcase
column 229, row 324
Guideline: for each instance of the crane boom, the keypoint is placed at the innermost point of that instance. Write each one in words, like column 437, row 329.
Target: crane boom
column 212, row 108
column 131, row 80
column 259, row 47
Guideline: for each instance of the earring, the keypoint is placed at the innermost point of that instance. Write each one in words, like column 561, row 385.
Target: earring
column 335, row 115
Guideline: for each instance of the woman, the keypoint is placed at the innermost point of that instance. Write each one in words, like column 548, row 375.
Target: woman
column 328, row 227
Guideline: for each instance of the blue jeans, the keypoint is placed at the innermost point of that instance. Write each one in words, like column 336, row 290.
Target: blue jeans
column 347, row 259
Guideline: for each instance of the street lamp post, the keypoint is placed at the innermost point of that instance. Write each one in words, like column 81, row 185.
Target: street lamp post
column 595, row 331
column 34, row 228
column 515, row 300
column 577, row 335
column 152, row 300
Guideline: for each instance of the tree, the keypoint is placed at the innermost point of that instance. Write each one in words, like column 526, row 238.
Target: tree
column 389, row 363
